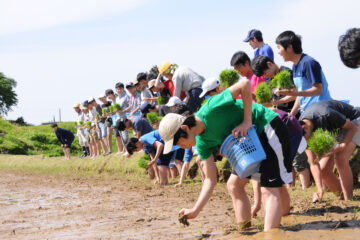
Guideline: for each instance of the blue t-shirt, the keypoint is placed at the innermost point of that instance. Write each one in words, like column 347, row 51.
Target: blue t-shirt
column 141, row 124
column 150, row 138
column 305, row 74
column 265, row 50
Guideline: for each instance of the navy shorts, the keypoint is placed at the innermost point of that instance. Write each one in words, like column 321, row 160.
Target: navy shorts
column 164, row 159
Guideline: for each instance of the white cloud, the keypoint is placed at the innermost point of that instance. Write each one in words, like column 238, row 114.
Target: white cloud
column 26, row 15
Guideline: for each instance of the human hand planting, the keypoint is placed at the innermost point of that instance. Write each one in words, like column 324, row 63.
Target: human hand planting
column 287, row 92
column 188, row 213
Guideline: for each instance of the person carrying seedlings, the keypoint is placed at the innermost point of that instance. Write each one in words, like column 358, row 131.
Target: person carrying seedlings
column 101, row 124
column 242, row 64
column 135, row 98
column 308, row 76
column 139, row 124
column 255, row 39
column 153, row 145
column 65, row 137
column 349, row 48
column 186, row 80
column 124, row 100
column 109, row 93
column 332, row 115
column 79, row 131
column 220, row 116
column 263, row 66
column 94, row 110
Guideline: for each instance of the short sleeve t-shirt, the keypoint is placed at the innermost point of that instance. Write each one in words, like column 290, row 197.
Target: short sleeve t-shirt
column 220, row 115
column 149, row 139
column 170, row 85
column 305, row 74
column 330, row 115
column 141, row 124
column 265, row 50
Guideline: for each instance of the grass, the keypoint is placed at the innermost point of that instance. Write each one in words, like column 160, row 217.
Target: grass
column 102, row 166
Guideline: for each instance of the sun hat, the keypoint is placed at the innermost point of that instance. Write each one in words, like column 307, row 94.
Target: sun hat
column 163, row 67
column 76, row 105
column 208, row 85
column 173, row 100
column 169, row 125
column 151, row 83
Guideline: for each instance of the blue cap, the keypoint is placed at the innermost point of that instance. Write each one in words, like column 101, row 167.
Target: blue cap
column 253, row 33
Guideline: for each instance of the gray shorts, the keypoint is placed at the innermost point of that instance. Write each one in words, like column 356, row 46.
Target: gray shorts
column 300, row 162
column 356, row 138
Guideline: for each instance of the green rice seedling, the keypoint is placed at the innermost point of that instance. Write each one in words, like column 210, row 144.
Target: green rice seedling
column 327, row 213
column 81, row 123
column 203, row 102
column 260, row 224
column 104, row 111
column 117, row 107
column 282, row 80
column 263, row 93
column 112, row 109
column 354, row 212
column 321, row 142
column 228, row 77
column 143, row 162
column 97, row 115
column 153, row 117
column 88, row 124
column 162, row 100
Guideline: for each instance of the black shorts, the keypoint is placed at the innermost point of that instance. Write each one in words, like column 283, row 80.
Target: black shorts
column 179, row 155
column 276, row 169
column 164, row 159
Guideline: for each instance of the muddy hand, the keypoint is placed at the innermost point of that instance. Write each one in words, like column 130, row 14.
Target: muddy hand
column 241, row 130
column 187, row 213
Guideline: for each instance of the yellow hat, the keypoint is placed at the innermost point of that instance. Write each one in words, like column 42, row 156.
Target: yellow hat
column 163, row 67
column 77, row 105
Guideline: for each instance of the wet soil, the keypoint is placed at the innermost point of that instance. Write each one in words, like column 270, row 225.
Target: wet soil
column 47, row 207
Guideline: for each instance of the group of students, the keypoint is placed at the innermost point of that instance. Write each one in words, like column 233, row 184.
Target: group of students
column 283, row 125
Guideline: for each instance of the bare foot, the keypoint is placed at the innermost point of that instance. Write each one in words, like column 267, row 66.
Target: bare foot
column 317, row 197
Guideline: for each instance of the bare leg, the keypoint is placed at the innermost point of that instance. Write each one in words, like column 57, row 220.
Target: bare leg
column 173, row 172
column 327, row 174
column 257, row 198
column 109, row 133
column 163, row 175
column 273, row 207
column 184, row 171
column 345, row 173
column 241, row 203
column 178, row 165
column 285, row 200
column 119, row 145
column 305, row 178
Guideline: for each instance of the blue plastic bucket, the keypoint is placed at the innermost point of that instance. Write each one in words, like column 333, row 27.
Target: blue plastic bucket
column 244, row 154
column 114, row 119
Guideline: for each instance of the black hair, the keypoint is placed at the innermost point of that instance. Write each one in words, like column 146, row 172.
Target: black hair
column 120, row 124
column 53, row 125
column 119, row 85
column 208, row 92
column 190, row 122
column 131, row 145
column 349, row 48
column 238, row 58
column 182, row 109
column 259, row 38
column 109, row 91
column 141, row 76
column 287, row 38
column 259, row 65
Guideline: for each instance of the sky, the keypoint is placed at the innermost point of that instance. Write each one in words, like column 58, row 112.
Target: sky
column 62, row 52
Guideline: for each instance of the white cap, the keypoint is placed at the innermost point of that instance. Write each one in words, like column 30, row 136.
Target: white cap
column 91, row 99
column 101, row 95
column 174, row 100
column 208, row 85
column 169, row 125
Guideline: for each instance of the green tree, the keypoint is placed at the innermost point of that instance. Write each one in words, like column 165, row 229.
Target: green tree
column 8, row 97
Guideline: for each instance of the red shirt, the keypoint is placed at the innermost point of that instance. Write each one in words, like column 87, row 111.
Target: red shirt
column 170, row 85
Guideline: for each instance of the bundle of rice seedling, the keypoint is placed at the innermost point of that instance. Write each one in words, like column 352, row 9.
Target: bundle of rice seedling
column 263, row 93
column 144, row 161
column 117, row 107
column 104, row 111
column 88, row 124
column 81, row 123
column 97, row 115
column 282, row 80
column 228, row 77
column 153, row 117
column 321, row 142
column 162, row 100
column 112, row 109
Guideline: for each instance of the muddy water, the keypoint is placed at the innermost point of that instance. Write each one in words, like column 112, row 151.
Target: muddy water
column 39, row 207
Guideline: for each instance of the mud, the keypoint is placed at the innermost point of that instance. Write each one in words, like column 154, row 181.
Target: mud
column 43, row 207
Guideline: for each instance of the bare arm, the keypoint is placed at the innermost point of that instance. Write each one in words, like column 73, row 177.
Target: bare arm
column 207, row 189
column 315, row 90
column 243, row 87
column 159, row 148
column 158, row 83
column 296, row 107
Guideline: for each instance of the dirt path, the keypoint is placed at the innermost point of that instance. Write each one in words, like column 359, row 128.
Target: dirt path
column 42, row 207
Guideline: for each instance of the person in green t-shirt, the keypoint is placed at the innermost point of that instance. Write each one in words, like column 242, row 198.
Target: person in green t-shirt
column 220, row 116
